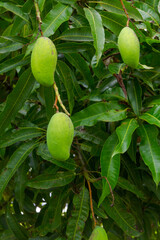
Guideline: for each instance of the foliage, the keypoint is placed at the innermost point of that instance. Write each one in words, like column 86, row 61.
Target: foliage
column 116, row 137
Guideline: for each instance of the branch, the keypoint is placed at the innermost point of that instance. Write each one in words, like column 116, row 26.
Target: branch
column 91, row 203
column 125, row 10
column 121, row 83
column 38, row 16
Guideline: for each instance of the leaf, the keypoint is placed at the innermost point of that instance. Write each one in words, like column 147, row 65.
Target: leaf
column 134, row 92
column 21, row 134
column 124, row 133
column 110, row 165
column 10, row 47
column 82, row 34
column 115, row 68
column 14, row 163
column 97, row 30
column 16, row 99
column 106, row 112
column 49, row 101
column 79, row 63
column 120, row 214
column 19, row 231
column 73, row 47
column 47, row 181
column 14, row 9
column 153, row 3
column 61, row 13
column 65, row 75
column 79, row 216
column 7, row 235
column 116, row 7
column 41, row 4
column 14, row 62
column 150, row 149
column 152, row 116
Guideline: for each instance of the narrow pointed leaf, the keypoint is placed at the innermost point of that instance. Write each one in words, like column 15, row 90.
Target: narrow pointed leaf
column 152, row 116
column 76, row 223
column 110, row 165
column 16, row 99
column 14, row 162
column 82, row 34
column 97, row 30
column 46, row 181
column 10, row 47
column 59, row 14
column 124, row 133
column 150, row 149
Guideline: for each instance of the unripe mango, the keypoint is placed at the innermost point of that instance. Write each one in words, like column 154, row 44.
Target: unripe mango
column 98, row 234
column 43, row 61
column 60, row 134
column 129, row 47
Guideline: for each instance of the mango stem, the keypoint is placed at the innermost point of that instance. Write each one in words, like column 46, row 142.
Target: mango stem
column 38, row 15
column 125, row 10
column 91, row 203
column 59, row 100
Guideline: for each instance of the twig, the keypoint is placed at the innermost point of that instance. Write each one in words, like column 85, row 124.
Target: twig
column 91, row 203
column 121, row 83
column 55, row 104
column 125, row 10
column 38, row 16
column 59, row 99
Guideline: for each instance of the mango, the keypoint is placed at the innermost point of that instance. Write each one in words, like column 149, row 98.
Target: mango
column 98, row 234
column 43, row 61
column 60, row 134
column 129, row 47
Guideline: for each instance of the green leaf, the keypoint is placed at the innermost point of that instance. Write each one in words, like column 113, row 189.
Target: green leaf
column 115, row 68
column 61, row 13
column 9, row 47
column 14, row 163
column 16, row 99
column 124, row 133
column 116, row 7
column 49, row 101
column 21, row 134
column 82, row 34
column 110, row 165
column 7, row 235
column 107, row 112
column 73, row 47
column 150, row 150
column 97, row 30
column 14, row 62
column 134, row 92
column 41, row 4
column 65, row 74
column 79, row 63
column 14, row 9
column 47, row 181
column 121, row 215
column 152, row 116
column 153, row 3
column 79, row 216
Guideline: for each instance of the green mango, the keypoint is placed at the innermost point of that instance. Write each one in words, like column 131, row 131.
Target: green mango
column 60, row 134
column 98, row 234
column 129, row 47
column 43, row 61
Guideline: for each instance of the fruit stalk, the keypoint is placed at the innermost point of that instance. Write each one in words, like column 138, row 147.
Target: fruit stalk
column 38, row 15
column 91, row 203
column 59, row 99
column 125, row 10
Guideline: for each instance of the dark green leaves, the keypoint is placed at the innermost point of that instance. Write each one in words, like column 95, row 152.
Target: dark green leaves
column 152, row 116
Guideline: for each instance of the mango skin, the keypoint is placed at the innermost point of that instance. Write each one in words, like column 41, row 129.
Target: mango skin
column 60, row 134
column 98, row 234
column 129, row 47
column 43, row 61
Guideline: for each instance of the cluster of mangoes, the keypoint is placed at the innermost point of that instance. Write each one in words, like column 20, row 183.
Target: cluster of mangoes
column 60, row 129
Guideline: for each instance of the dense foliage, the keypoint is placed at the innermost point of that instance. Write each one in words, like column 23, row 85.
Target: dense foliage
column 116, row 115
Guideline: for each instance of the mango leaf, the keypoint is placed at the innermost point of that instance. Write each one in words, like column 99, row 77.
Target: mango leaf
column 79, row 216
column 16, row 99
column 41, row 4
column 21, row 134
column 124, row 133
column 9, row 47
column 99, row 112
column 153, row 4
column 134, row 92
column 7, row 235
column 65, row 74
column 116, row 7
column 49, row 101
column 152, row 116
column 55, row 18
column 14, row 162
column 14, row 9
column 79, row 63
column 82, row 34
column 97, row 30
column 120, row 214
column 150, row 149
column 110, row 165
column 14, row 62
column 73, row 47
column 47, row 181
column 19, row 231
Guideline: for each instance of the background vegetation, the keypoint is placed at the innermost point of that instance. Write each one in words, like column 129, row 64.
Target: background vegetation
column 115, row 111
